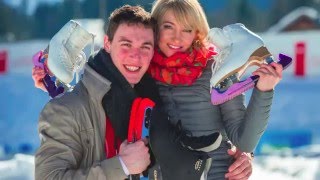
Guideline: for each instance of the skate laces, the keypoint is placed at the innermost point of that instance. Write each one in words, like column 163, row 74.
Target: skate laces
column 74, row 39
column 81, row 60
column 64, row 57
column 221, row 40
column 219, row 60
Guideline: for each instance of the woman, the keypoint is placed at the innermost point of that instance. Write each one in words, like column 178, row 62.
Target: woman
column 181, row 67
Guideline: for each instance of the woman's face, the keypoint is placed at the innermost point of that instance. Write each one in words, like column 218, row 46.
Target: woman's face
column 174, row 37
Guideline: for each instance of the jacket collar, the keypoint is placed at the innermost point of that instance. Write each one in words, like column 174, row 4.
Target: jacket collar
column 96, row 85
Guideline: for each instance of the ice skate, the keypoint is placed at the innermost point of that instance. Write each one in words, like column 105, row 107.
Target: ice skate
column 219, row 96
column 65, row 56
column 238, row 49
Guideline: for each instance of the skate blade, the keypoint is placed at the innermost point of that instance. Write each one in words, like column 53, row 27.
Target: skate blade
column 219, row 96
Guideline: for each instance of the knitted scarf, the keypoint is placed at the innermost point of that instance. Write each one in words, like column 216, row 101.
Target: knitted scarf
column 182, row 68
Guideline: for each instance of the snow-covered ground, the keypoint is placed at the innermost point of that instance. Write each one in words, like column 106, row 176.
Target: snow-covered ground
column 21, row 167
column 292, row 135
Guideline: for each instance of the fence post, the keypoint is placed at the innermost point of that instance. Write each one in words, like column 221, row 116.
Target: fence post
column 3, row 61
column 300, row 50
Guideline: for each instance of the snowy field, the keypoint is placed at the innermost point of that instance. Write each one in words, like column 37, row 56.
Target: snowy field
column 288, row 150
column 21, row 167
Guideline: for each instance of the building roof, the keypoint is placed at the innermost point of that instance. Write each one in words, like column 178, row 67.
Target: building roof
column 290, row 18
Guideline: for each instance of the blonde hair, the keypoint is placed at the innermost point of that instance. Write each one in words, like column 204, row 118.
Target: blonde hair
column 188, row 12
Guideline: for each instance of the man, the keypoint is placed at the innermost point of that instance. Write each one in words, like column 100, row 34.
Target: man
column 73, row 127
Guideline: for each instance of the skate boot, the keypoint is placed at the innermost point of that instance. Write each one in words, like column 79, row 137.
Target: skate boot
column 238, row 48
column 65, row 57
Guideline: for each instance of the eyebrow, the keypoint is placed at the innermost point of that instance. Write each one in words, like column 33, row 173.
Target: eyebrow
column 169, row 22
column 124, row 39
column 148, row 43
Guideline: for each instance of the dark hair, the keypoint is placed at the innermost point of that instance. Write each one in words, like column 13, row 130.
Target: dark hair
column 132, row 15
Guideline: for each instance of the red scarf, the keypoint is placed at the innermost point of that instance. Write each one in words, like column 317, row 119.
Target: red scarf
column 182, row 68
column 112, row 143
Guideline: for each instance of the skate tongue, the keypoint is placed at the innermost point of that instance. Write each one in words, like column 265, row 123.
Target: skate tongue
column 219, row 96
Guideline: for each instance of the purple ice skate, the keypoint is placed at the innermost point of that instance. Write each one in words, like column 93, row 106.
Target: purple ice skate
column 219, row 97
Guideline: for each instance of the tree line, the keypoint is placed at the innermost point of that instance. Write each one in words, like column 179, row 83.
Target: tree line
column 47, row 19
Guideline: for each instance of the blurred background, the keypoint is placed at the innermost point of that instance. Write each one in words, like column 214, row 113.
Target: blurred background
column 289, row 149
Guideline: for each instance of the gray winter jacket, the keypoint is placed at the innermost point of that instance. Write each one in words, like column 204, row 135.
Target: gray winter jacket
column 242, row 126
column 72, row 130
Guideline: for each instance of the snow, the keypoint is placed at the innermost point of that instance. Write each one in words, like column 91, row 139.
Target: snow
column 21, row 167
column 290, row 148
column 288, row 168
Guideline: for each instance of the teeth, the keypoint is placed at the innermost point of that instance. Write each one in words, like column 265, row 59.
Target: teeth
column 174, row 47
column 132, row 68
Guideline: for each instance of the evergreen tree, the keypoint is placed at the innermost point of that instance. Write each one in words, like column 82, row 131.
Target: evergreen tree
column 245, row 13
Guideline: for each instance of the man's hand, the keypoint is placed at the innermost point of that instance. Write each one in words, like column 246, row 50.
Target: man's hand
column 37, row 76
column 135, row 156
column 242, row 167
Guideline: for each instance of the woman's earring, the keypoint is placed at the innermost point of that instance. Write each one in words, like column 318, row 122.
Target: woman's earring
column 196, row 43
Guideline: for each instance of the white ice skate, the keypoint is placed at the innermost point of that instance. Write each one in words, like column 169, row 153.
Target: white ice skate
column 238, row 48
column 65, row 57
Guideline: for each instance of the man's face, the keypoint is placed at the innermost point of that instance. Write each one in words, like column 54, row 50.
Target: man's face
column 131, row 50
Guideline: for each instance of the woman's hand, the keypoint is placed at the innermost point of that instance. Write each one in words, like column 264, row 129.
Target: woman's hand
column 37, row 76
column 269, row 76
column 241, row 169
